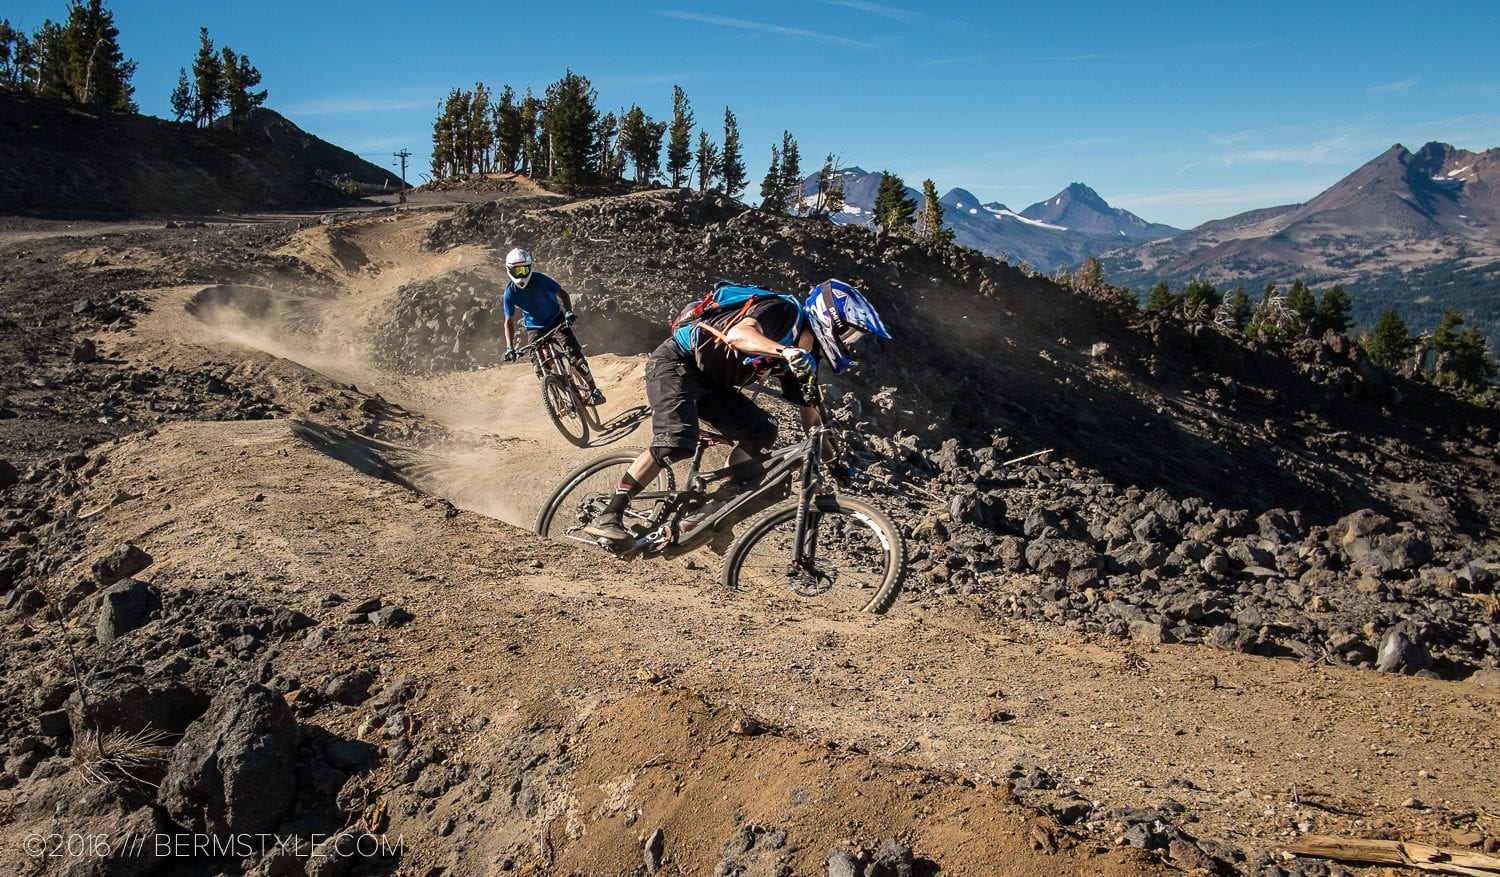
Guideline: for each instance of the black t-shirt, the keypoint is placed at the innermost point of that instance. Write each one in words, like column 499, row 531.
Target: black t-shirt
column 725, row 366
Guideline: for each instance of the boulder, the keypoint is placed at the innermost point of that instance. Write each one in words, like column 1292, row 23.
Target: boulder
column 126, row 605
column 125, row 561
column 1401, row 651
column 234, row 769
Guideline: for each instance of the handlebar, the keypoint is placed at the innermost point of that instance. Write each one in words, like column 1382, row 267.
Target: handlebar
column 526, row 350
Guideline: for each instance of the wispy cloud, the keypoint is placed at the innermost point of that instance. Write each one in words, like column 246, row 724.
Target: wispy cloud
column 902, row 15
column 948, row 62
column 1330, row 149
column 1266, row 194
column 772, row 29
column 1400, row 86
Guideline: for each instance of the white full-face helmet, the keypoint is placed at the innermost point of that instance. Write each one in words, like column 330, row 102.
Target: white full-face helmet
column 518, row 266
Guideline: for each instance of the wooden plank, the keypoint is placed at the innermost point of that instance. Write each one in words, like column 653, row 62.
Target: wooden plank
column 1396, row 852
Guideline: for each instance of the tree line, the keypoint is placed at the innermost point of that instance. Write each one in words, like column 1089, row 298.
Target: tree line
column 78, row 59
column 1450, row 354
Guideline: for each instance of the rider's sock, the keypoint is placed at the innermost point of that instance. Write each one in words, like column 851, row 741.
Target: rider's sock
column 627, row 488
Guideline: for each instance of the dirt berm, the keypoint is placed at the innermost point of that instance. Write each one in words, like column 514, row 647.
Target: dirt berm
column 274, row 482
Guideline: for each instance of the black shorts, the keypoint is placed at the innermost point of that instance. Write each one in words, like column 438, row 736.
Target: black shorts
column 569, row 340
column 680, row 396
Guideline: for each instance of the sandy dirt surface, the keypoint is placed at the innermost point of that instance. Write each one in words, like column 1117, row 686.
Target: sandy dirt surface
column 683, row 706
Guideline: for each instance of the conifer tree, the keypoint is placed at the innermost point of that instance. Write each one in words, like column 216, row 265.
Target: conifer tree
column 15, row 55
column 830, row 186
column 895, row 211
column 569, row 121
column 94, row 69
column 933, row 230
column 481, row 129
column 707, row 161
column 507, row 131
column 733, row 162
column 48, row 71
column 239, row 77
column 1300, row 301
column 1162, row 299
column 1462, row 356
column 182, row 96
column 1239, row 309
column 603, row 160
column 772, row 198
column 531, row 148
column 1333, row 311
column 208, row 81
column 680, row 145
column 1200, row 298
column 641, row 138
column 1389, row 341
column 791, row 173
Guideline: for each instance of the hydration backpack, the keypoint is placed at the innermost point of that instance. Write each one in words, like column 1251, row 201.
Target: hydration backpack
column 732, row 298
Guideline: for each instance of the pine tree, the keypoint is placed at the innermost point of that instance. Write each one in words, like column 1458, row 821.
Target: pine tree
column 933, row 230
column 603, row 159
column 49, row 69
column 531, row 149
column 570, row 120
column 733, row 162
column 239, row 76
column 1389, row 342
column 507, row 131
column 708, row 161
column 17, row 57
column 182, row 96
column 791, row 173
column 1162, row 299
column 831, row 186
column 1239, row 309
column 772, row 198
column 680, row 145
column 208, row 81
column 1462, row 357
column 894, row 210
column 641, row 138
column 481, row 129
column 1200, row 298
column 1333, row 311
column 94, row 70
column 1300, row 301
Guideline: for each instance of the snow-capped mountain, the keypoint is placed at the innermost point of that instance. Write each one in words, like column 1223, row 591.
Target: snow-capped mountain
column 1057, row 233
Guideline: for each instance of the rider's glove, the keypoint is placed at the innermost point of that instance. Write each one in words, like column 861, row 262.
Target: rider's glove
column 569, row 318
column 799, row 362
column 510, row 354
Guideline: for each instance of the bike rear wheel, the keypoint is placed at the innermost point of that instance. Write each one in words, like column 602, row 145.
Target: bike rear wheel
column 585, row 492
column 565, row 409
column 856, row 556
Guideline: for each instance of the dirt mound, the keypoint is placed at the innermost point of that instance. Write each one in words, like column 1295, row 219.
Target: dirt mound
column 60, row 159
column 1075, row 681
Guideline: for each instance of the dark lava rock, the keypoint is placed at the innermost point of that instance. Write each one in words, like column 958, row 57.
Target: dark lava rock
column 233, row 771
column 127, row 605
column 125, row 561
column 349, row 688
column 892, row 859
column 1401, row 652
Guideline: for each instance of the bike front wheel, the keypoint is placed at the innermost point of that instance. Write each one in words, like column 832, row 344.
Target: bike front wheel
column 565, row 409
column 585, row 492
column 854, row 556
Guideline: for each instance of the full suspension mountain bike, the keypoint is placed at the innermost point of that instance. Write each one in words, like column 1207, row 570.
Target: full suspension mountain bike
column 565, row 392
column 814, row 540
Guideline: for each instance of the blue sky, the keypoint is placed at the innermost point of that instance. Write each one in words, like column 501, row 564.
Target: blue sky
column 1179, row 112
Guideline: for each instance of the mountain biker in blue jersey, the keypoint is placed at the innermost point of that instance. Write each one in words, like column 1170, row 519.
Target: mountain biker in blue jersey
column 543, row 303
column 699, row 370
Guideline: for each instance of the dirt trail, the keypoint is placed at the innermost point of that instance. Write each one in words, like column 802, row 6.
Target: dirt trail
column 510, row 628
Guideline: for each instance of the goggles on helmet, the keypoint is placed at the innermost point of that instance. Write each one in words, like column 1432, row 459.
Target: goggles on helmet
column 519, row 271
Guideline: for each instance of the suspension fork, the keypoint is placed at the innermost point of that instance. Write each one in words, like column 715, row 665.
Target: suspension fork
column 802, row 552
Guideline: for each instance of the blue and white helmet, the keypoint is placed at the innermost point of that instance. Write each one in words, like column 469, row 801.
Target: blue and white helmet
column 839, row 315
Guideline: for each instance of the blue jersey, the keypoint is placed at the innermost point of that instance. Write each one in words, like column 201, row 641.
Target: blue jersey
column 538, row 301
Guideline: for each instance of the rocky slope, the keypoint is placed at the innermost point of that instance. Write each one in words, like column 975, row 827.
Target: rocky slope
column 59, row 159
column 1075, row 681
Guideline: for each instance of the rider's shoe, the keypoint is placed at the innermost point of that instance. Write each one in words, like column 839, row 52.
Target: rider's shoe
column 608, row 525
column 596, row 397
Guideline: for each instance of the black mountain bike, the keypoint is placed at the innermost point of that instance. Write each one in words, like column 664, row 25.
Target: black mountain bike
column 565, row 392
column 819, row 542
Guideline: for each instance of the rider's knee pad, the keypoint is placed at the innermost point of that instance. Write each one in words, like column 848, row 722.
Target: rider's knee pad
column 666, row 455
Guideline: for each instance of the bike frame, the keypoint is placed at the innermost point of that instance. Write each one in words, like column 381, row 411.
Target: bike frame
column 780, row 464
